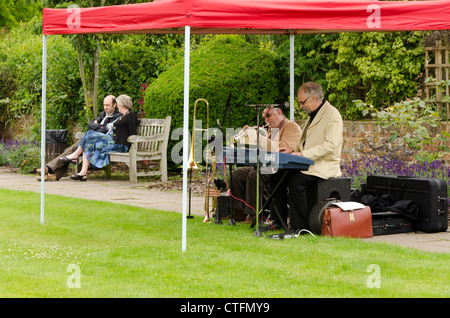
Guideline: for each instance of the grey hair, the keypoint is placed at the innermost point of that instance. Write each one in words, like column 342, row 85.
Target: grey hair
column 313, row 88
column 125, row 100
column 279, row 111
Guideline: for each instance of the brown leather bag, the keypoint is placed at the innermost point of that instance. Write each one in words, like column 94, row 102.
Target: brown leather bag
column 352, row 223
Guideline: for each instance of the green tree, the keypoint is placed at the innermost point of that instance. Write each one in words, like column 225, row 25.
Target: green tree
column 129, row 61
column 14, row 11
column 378, row 68
column 311, row 58
column 412, row 122
column 133, row 61
column 88, row 47
column 220, row 66
column 21, row 76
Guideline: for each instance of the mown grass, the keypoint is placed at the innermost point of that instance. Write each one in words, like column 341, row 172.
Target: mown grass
column 126, row 251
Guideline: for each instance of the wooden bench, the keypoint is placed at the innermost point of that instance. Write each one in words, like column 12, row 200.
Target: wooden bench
column 150, row 144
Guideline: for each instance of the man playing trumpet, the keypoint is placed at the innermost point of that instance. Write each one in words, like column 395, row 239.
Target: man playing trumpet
column 281, row 133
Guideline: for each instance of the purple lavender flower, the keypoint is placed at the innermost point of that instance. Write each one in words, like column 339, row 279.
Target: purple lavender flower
column 358, row 170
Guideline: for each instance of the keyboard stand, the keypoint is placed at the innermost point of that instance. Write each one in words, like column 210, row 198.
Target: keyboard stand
column 269, row 200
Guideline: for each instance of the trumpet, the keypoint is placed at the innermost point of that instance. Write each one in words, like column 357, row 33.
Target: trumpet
column 243, row 132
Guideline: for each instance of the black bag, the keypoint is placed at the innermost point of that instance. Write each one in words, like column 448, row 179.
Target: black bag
column 390, row 223
column 423, row 200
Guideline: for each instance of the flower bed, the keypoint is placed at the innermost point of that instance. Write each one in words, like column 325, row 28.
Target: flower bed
column 23, row 154
column 358, row 170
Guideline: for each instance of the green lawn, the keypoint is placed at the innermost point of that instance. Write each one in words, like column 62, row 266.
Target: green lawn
column 99, row 249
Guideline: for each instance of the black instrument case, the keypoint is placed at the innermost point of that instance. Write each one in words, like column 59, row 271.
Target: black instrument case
column 430, row 196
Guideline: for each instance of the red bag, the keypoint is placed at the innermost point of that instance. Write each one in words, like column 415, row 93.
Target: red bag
column 347, row 222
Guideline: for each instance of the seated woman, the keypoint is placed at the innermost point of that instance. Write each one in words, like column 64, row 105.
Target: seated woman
column 95, row 146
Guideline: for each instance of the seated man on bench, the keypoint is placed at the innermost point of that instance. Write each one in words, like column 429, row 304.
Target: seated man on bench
column 56, row 168
column 321, row 141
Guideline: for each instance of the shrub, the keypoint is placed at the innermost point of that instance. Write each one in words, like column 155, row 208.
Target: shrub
column 3, row 161
column 224, row 65
column 133, row 60
column 21, row 73
column 410, row 121
column 20, row 70
column 125, row 62
column 22, row 154
column 378, row 68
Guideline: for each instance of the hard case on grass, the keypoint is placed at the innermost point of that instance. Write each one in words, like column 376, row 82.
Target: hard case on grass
column 339, row 221
column 390, row 223
column 430, row 196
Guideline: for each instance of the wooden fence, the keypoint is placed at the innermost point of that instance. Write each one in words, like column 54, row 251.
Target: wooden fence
column 437, row 77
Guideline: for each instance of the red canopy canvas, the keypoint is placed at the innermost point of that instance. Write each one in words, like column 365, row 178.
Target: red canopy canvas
column 250, row 16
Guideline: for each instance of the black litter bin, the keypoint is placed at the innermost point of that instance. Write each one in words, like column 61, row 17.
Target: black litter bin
column 55, row 143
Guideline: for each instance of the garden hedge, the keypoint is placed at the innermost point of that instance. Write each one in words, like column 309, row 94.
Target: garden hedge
column 225, row 65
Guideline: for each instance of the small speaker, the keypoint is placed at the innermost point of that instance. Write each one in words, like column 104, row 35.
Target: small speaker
column 336, row 188
column 223, row 207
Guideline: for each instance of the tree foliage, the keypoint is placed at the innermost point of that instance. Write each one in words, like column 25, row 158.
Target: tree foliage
column 222, row 66
column 132, row 60
column 379, row 68
column 20, row 73
column 355, row 69
column 88, row 47
column 14, row 11
column 129, row 61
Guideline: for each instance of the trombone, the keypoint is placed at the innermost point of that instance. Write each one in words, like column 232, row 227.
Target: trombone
column 191, row 160
column 192, row 164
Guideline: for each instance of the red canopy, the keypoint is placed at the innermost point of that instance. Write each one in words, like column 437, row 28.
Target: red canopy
column 251, row 16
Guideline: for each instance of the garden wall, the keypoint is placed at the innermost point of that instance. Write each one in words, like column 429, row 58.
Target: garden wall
column 368, row 138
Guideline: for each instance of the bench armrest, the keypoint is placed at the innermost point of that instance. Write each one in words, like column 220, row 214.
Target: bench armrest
column 79, row 135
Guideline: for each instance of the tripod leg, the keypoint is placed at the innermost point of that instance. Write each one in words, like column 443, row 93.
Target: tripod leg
column 231, row 221
column 189, row 216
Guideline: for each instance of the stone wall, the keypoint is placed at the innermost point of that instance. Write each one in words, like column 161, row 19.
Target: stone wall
column 369, row 138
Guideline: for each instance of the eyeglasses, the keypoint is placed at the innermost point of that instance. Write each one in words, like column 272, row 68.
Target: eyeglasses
column 303, row 103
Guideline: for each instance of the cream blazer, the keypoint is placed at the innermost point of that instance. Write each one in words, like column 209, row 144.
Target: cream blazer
column 322, row 142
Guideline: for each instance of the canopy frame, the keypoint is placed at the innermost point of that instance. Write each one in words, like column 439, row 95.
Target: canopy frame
column 289, row 17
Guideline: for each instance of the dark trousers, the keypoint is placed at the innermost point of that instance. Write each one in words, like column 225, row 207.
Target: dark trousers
column 296, row 183
column 60, row 167
column 243, row 186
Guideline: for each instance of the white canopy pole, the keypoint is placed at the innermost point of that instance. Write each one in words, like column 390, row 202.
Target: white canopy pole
column 43, row 125
column 187, row 50
column 291, row 74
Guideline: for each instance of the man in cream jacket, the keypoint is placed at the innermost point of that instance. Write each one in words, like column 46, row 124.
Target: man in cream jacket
column 321, row 141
